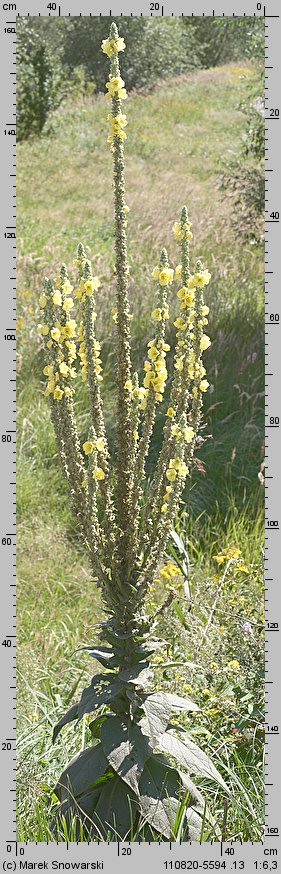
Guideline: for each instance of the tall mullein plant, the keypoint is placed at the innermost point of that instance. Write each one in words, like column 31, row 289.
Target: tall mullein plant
column 125, row 780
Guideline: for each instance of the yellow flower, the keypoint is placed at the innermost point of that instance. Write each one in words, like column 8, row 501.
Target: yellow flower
column 115, row 86
column 42, row 301
column 186, row 296
column 67, row 287
column 68, row 304
column 205, row 342
column 183, row 470
column 88, row 447
column 180, row 323
column 233, row 665
column 91, row 285
column 204, row 385
column 67, row 391
column 188, row 434
column 179, row 364
column 128, row 385
column 64, row 369
column 70, row 328
column 110, row 47
column 43, row 329
column 164, row 508
column 55, row 334
column 157, row 314
column 178, row 272
column 180, row 231
column 58, row 393
column 76, row 262
column 98, row 473
column 205, row 311
column 170, row 412
column 166, row 276
column 114, row 313
column 155, row 273
column 48, row 370
column 171, row 475
column 176, row 431
column 100, row 444
column 57, row 298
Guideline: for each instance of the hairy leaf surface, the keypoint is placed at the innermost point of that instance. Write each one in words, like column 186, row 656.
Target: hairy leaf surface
column 126, row 748
column 188, row 754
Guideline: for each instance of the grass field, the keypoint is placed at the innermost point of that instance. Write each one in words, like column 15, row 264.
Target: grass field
column 177, row 137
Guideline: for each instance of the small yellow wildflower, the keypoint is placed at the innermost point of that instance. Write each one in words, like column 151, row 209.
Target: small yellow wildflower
column 57, row 298
column 42, row 301
column 205, row 342
column 64, row 369
column 111, row 47
column 170, row 412
column 55, row 334
column 155, row 273
column 233, row 665
column 128, row 385
column 166, row 276
column 68, row 304
column 178, row 271
column 188, row 434
column 164, row 508
column 58, row 393
column 157, row 314
column 98, row 474
column 100, row 443
column 88, row 447
column 43, row 329
column 91, row 285
column 204, row 385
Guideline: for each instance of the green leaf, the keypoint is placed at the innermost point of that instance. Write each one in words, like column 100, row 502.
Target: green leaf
column 178, row 703
column 96, row 723
column 180, row 615
column 68, row 717
column 159, row 790
column 188, row 754
column 81, row 773
column 115, row 809
column 157, row 716
column 139, row 676
column 102, row 654
column 126, row 749
column 101, row 691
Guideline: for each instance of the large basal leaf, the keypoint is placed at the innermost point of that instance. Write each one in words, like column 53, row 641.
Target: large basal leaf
column 115, row 809
column 81, row 773
column 68, row 717
column 126, row 749
column 188, row 754
column 159, row 790
column 101, row 691
column 157, row 716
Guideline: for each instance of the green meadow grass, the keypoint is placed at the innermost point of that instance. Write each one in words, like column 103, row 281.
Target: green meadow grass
column 177, row 136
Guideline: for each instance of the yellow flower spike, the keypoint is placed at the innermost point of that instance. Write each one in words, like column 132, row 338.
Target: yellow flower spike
column 98, row 474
